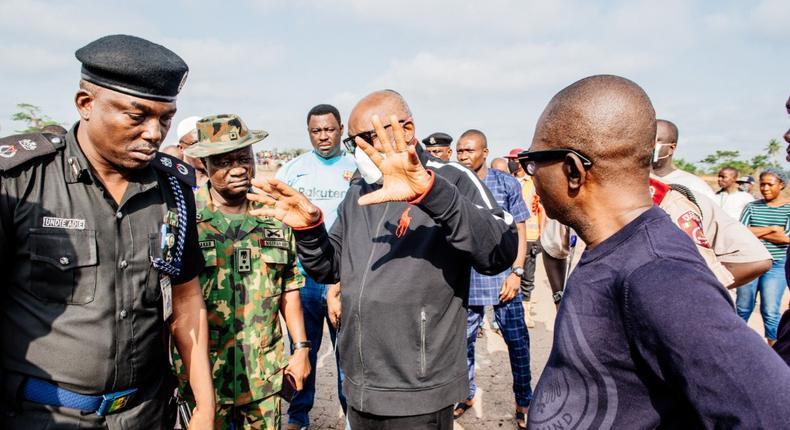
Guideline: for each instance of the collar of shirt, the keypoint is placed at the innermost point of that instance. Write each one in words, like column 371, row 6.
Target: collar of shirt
column 77, row 169
column 208, row 213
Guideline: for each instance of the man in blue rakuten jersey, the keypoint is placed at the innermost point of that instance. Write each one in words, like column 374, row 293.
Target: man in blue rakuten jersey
column 323, row 176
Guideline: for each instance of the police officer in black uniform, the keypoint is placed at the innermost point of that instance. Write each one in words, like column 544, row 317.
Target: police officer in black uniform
column 99, row 254
column 438, row 145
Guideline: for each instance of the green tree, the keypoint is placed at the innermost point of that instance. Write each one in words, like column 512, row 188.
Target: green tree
column 33, row 117
column 685, row 165
column 772, row 149
column 726, row 158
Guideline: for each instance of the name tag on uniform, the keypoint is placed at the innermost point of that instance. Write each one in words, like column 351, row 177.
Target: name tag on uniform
column 167, row 296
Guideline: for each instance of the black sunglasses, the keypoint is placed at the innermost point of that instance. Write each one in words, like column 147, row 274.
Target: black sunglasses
column 367, row 136
column 530, row 159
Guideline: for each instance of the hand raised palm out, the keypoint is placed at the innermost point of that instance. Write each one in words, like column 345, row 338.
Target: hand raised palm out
column 404, row 179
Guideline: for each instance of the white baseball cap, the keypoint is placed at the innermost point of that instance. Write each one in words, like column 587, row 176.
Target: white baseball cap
column 186, row 126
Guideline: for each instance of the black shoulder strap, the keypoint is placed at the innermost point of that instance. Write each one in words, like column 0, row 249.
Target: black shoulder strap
column 173, row 166
column 686, row 193
column 17, row 149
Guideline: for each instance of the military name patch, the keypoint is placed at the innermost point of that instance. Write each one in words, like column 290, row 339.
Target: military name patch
column 273, row 233
column 67, row 223
column 204, row 244
column 269, row 243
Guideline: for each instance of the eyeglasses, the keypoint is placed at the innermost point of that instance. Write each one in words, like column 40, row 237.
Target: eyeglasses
column 367, row 136
column 530, row 159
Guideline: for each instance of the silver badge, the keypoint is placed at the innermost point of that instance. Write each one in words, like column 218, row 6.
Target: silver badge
column 183, row 81
column 166, row 161
column 27, row 144
column 432, row 141
column 7, row 151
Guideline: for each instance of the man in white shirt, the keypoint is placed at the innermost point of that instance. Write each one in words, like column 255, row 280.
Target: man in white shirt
column 666, row 143
column 729, row 197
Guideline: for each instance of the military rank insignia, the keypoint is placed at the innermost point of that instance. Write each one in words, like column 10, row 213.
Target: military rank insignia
column 243, row 260
column 273, row 237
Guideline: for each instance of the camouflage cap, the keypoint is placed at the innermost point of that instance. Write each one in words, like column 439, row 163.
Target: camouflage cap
column 219, row 134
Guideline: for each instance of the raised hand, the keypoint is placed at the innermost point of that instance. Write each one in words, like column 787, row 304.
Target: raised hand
column 404, row 177
column 284, row 203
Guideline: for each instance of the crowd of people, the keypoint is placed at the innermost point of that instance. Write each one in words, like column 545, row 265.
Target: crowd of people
column 145, row 285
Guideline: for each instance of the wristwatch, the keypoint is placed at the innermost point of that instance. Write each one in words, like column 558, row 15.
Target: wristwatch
column 557, row 296
column 302, row 344
column 519, row 271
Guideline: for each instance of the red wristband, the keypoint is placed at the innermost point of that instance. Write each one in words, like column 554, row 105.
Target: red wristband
column 425, row 193
column 308, row 227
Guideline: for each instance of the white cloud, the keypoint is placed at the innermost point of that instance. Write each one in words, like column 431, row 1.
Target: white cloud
column 771, row 18
column 511, row 69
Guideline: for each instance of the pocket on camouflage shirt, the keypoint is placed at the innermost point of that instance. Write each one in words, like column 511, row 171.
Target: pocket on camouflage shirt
column 273, row 265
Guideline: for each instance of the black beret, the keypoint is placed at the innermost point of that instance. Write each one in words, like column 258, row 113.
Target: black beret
column 133, row 66
column 438, row 139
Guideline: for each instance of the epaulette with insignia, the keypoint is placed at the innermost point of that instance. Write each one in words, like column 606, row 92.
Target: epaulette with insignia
column 178, row 168
column 16, row 150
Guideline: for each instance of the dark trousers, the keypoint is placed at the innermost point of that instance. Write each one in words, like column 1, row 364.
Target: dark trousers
column 528, row 280
column 313, row 298
column 439, row 420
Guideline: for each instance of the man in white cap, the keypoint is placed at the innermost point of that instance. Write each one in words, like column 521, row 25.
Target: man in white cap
column 187, row 136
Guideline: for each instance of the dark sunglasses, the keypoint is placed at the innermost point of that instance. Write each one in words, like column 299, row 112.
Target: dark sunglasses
column 367, row 136
column 530, row 159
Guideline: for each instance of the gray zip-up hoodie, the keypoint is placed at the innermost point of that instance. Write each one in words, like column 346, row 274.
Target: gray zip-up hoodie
column 404, row 271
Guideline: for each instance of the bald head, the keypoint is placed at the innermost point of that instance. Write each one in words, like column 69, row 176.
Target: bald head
column 667, row 131
column 500, row 164
column 607, row 118
column 382, row 103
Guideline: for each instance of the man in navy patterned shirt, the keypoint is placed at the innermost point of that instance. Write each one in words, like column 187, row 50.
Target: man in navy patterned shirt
column 502, row 290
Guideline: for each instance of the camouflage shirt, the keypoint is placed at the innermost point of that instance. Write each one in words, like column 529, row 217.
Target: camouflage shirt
column 250, row 262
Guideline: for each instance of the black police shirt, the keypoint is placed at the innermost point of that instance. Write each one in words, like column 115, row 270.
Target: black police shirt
column 82, row 304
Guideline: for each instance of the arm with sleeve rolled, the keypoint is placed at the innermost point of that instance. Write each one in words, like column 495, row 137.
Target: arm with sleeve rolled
column 738, row 250
column 691, row 339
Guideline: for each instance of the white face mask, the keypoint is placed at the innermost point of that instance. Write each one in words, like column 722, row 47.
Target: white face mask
column 656, row 151
column 370, row 173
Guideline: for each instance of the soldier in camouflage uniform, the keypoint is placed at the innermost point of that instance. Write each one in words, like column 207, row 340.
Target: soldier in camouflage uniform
column 250, row 277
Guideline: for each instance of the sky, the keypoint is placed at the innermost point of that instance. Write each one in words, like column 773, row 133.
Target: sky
column 718, row 69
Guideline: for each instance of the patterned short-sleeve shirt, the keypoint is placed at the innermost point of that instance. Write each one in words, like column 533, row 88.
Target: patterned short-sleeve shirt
column 484, row 290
